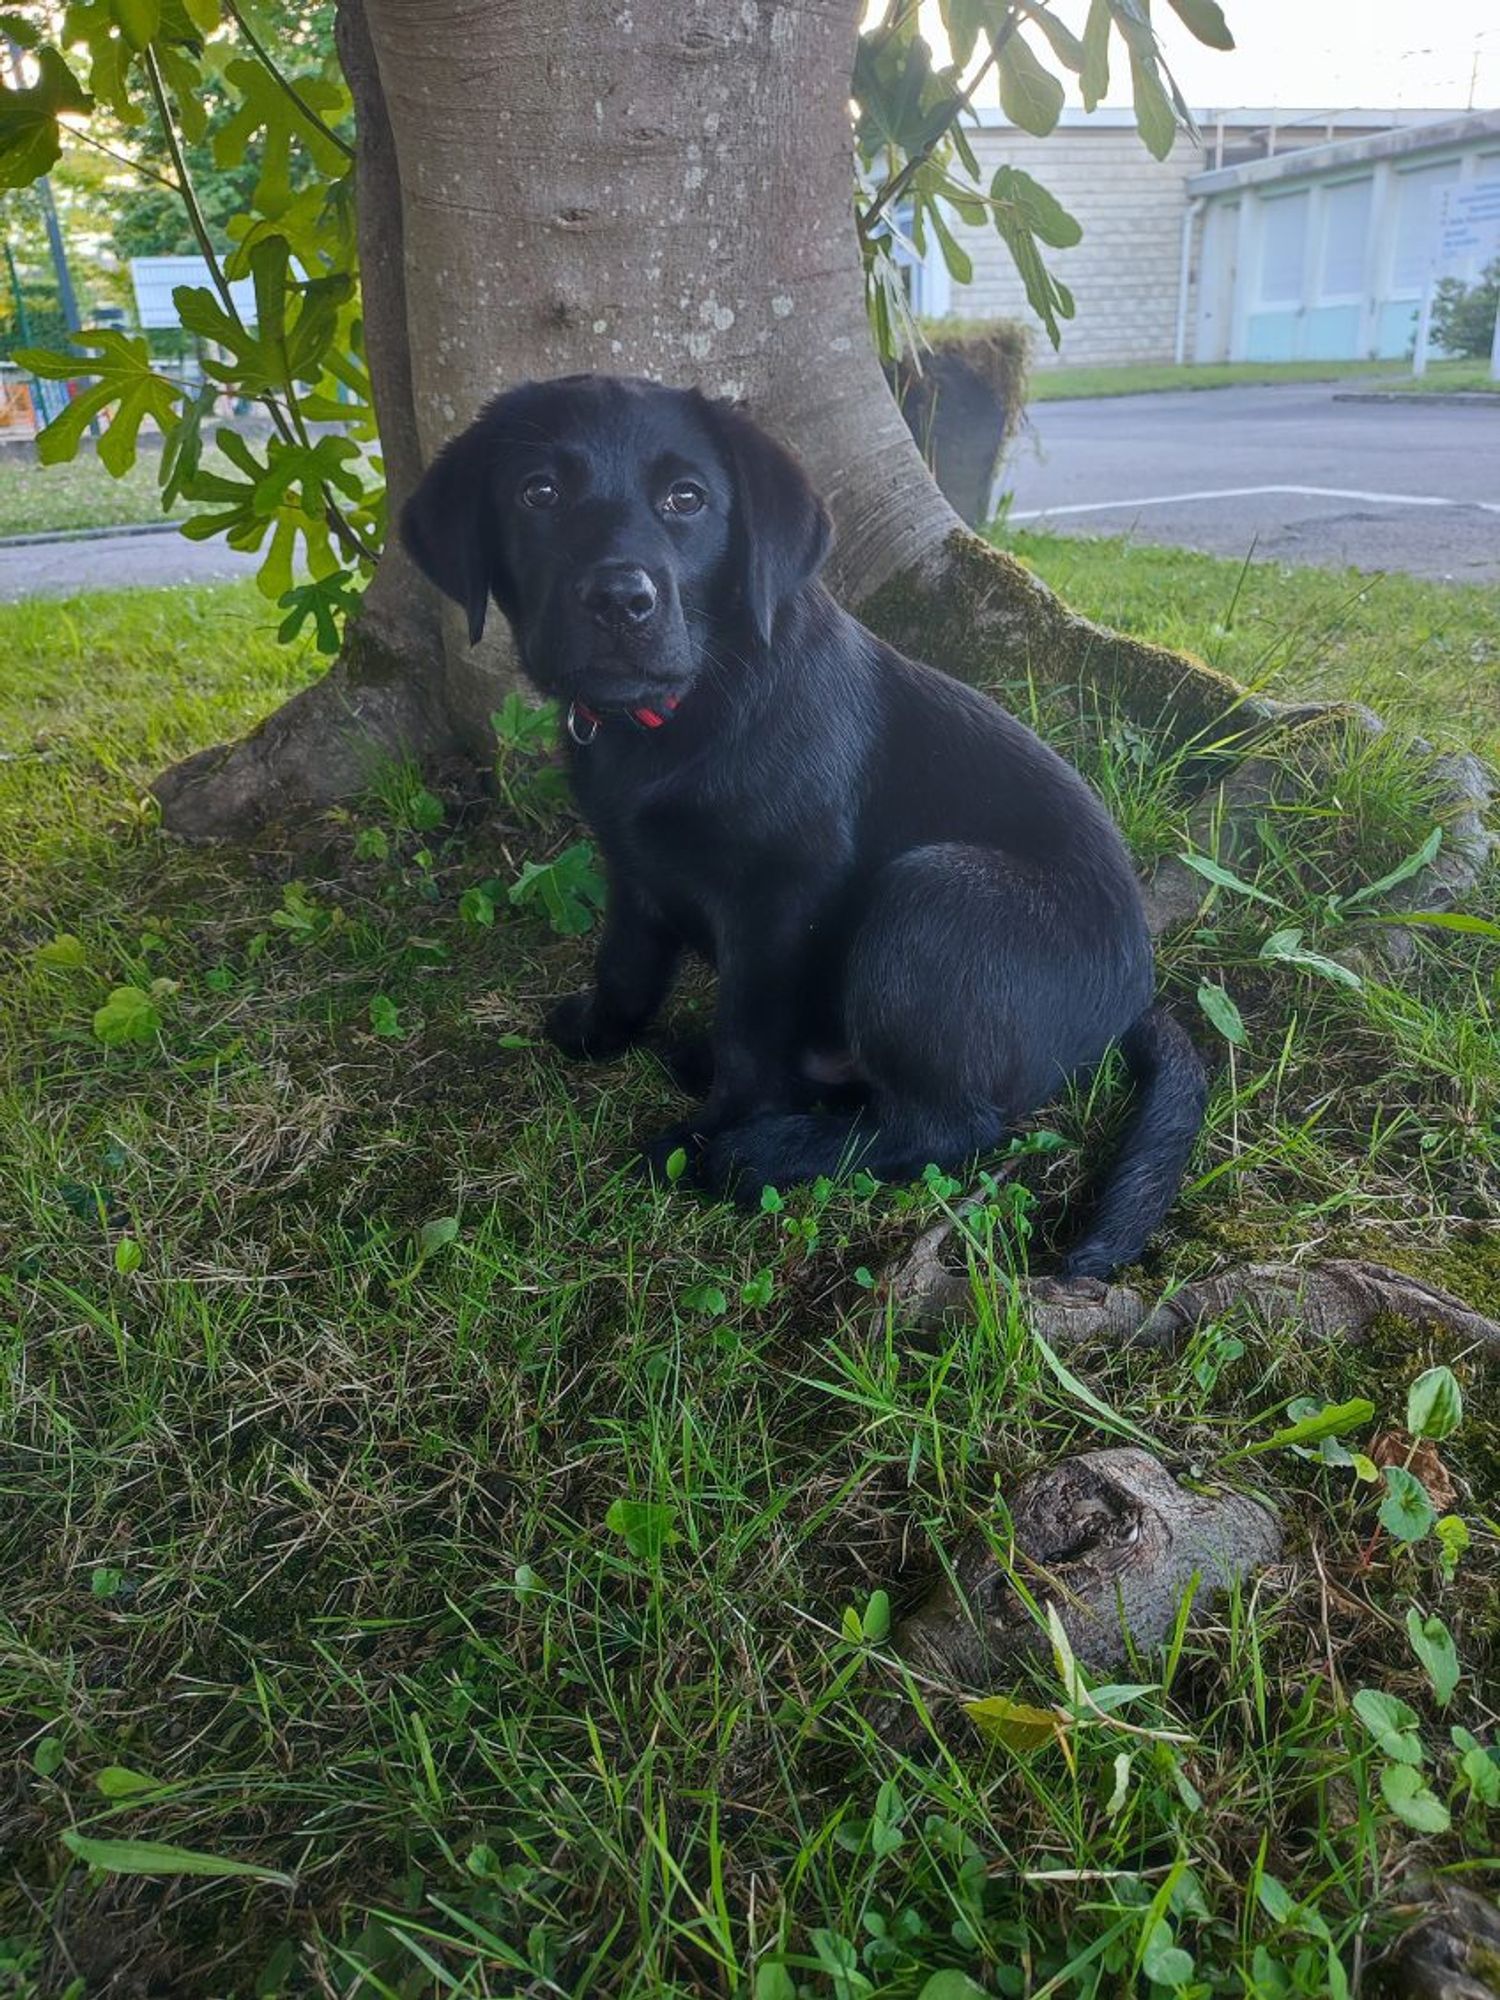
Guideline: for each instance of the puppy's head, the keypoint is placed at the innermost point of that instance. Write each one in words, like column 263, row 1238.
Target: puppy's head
column 619, row 526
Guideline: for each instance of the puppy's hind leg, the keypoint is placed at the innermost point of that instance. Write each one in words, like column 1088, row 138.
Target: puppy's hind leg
column 891, row 1140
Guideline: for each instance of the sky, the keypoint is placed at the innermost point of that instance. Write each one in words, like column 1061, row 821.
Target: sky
column 1333, row 54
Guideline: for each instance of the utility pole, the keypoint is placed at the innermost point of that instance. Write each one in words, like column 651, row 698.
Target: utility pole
column 67, row 298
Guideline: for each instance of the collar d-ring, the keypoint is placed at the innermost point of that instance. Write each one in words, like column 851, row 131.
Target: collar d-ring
column 578, row 724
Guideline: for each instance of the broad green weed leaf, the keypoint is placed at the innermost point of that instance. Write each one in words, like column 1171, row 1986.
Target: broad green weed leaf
column 1286, row 947
column 706, row 1298
column 127, row 1016
column 1164, row 1961
column 1333, row 1421
column 51, row 1754
column 1392, row 1723
column 950, row 1985
column 477, row 906
column 1410, row 1799
column 646, row 1526
column 1433, row 1645
column 1222, row 1011
column 774, row 1982
column 1425, row 855
column 64, row 953
column 116, row 1781
column 1434, row 1404
column 1225, row 878
column 1016, row 1724
column 1452, row 1532
column 1446, row 920
column 1406, row 1512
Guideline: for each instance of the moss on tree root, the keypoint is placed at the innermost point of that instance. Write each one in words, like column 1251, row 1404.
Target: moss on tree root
column 980, row 615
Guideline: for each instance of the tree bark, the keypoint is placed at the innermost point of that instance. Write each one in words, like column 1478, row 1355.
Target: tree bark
column 663, row 189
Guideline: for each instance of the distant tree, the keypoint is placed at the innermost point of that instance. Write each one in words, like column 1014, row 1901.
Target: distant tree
column 1463, row 316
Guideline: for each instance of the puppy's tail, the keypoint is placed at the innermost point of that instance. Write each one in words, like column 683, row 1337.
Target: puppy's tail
column 1171, row 1093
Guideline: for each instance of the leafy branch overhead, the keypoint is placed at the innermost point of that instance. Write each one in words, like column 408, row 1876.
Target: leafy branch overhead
column 916, row 160
column 291, row 341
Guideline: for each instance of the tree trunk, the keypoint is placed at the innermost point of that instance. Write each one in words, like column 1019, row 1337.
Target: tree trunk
column 659, row 189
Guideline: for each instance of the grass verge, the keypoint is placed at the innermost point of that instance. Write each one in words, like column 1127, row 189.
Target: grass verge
column 398, row 1498
column 49, row 499
column 1049, row 385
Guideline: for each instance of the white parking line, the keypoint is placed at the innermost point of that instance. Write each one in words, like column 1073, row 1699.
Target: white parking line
column 1249, row 492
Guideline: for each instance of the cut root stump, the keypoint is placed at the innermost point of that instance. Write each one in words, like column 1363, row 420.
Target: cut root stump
column 1111, row 1541
column 1451, row 1953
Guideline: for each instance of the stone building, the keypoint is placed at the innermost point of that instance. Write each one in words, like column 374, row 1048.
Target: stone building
column 1180, row 257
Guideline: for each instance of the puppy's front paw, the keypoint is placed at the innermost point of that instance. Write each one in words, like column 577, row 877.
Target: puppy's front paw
column 574, row 1025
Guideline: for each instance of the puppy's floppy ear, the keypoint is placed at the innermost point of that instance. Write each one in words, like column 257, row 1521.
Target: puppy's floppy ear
column 782, row 531
column 448, row 526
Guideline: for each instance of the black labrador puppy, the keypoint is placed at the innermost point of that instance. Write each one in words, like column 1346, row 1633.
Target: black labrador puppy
column 923, row 921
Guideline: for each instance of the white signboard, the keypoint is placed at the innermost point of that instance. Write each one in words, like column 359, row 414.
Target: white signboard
column 156, row 278
column 1468, row 239
column 1469, row 225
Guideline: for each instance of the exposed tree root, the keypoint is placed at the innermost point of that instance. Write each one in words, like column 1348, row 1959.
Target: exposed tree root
column 1339, row 1298
column 1110, row 1540
column 1452, row 1952
column 1223, row 823
column 1109, row 1537
column 325, row 744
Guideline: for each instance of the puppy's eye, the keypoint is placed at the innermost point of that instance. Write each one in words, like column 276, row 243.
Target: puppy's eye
column 684, row 497
column 540, row 490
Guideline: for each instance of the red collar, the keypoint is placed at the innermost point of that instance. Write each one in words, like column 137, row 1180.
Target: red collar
column 648, row 718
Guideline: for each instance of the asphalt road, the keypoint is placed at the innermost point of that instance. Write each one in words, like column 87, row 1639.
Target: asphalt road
column 1286, row 472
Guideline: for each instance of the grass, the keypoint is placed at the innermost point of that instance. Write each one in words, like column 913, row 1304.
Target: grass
column 46, row 499
column 1469, row 377
column 408, row 1502
column 49, row 499
column 1049, row 385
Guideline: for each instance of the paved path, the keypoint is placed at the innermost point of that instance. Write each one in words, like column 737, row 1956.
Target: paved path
column 1288, row 471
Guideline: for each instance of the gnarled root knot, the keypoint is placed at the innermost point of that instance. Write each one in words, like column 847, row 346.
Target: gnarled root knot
column 1109, row 1539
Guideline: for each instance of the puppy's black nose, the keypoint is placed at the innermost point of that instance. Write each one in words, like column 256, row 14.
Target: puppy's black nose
column 618, row 595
